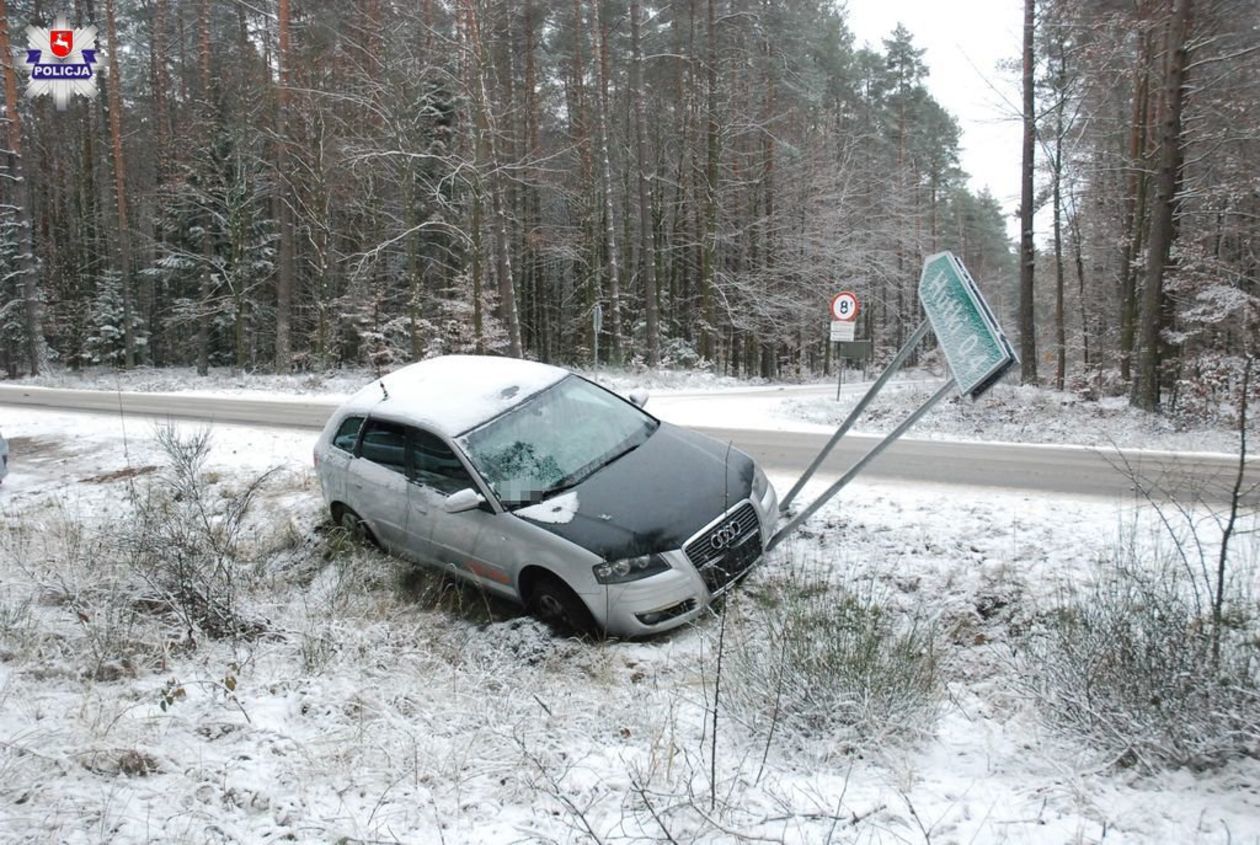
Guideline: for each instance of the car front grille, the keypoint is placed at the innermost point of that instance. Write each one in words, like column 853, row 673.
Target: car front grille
column 727, row 549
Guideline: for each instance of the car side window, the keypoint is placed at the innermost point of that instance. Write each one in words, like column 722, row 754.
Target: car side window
column 348, row 433
column 385, row 443
column 435, row 465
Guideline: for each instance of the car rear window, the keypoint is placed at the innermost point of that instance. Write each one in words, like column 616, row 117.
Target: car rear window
column 347, row 433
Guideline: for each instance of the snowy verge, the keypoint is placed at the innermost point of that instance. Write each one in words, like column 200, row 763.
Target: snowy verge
column 382, row 705
column 1016, row 414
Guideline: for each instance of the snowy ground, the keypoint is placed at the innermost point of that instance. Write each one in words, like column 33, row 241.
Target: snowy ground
column 1008, row 413
column 372, row 711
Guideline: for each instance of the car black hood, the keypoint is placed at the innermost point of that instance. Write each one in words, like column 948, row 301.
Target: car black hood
column 655, row 497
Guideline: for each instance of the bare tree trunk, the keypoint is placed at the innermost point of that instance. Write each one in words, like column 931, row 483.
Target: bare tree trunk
column 207, row 242
column 1027, row 257
column 1146, row 386
column 120, row 187
column 284, row 275
column 604, row 165
column 485, row 129
column 1078, row 254
column 647, row 236
column 708, row 247
column 157, row 79
column 592, row 290
column 1135, row 205
column 541, row 300
column 476, row 214
column 770, row 251
column 1060, row 328
column 36, row 351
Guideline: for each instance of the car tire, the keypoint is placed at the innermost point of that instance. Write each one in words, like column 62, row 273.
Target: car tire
column 354, row 525
column 551, row 601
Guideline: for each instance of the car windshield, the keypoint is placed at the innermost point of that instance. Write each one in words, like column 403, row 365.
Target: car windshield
column 554, row 440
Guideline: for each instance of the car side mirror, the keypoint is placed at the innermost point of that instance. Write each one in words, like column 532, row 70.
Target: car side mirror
column 463, row 500
column 638, row 397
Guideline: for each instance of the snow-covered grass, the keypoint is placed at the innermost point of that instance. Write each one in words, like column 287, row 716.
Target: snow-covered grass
column 381, row 705
column 1017, row 414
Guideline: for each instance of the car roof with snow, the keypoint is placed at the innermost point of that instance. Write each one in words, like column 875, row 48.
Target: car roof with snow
column 454, row 393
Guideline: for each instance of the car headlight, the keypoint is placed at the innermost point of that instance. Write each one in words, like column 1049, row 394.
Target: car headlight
column 629, row 569
column 760, row 484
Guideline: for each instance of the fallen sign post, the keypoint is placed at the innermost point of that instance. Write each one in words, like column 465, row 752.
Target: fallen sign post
column 975, row 346
column 976, row 350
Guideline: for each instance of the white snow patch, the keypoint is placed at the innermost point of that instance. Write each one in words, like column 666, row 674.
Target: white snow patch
column 558, row 510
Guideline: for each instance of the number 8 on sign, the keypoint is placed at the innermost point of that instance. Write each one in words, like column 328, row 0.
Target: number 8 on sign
column 844, row 306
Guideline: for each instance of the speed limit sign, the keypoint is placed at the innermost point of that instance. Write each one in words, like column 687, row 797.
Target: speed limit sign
column 844, row 306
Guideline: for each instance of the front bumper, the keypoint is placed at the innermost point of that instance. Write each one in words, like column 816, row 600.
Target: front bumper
column 674, row 598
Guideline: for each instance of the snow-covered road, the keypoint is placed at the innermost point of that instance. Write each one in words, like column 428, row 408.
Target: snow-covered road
column 747, row 418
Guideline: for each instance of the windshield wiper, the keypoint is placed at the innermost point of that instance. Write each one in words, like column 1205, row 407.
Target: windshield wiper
column 578, row 477
column 623, row 453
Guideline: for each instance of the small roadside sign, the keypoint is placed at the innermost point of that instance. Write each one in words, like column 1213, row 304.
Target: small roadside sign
column 977, row 351
column 844, row 306
column 843, row 331
column 854, row 350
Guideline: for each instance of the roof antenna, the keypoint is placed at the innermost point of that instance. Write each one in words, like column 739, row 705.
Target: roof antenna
column 384, row 391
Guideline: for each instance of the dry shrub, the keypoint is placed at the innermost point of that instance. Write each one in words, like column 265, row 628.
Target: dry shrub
column 186, row 540
column 1126, row 664
column 822, row 661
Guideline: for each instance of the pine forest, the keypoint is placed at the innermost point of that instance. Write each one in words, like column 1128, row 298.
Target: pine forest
column 289, row 185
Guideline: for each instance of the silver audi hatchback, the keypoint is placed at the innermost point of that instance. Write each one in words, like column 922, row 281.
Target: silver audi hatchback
column 546, row 489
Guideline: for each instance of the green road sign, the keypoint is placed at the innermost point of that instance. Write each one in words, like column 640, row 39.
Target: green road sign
column 857, row 350
column 975, row 347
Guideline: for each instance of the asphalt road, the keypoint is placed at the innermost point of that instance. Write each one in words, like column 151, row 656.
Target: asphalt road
column 1050, row 469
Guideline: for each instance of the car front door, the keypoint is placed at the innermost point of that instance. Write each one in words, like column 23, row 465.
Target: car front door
column 454, row 541
column 376, row 482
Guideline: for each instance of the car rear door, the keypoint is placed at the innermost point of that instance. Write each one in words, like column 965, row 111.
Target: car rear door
column 376, row 481
column 454, row 541
column 334, row 464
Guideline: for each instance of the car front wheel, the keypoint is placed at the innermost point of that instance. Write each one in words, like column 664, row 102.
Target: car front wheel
column 551, row 600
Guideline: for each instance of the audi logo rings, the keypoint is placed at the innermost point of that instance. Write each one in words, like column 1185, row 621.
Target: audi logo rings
column 724, row 535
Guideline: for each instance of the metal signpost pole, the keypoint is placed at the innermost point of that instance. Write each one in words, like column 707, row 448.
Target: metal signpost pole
column 860, row 465
column 839, row 375
column 893, row 366
column 976, row 351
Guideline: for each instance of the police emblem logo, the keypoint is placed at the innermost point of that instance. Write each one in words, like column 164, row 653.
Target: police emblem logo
column 60, row 62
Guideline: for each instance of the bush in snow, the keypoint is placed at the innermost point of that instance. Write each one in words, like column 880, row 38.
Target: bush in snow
column 1127, row 665
column 821, row 661
column 185, row 540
